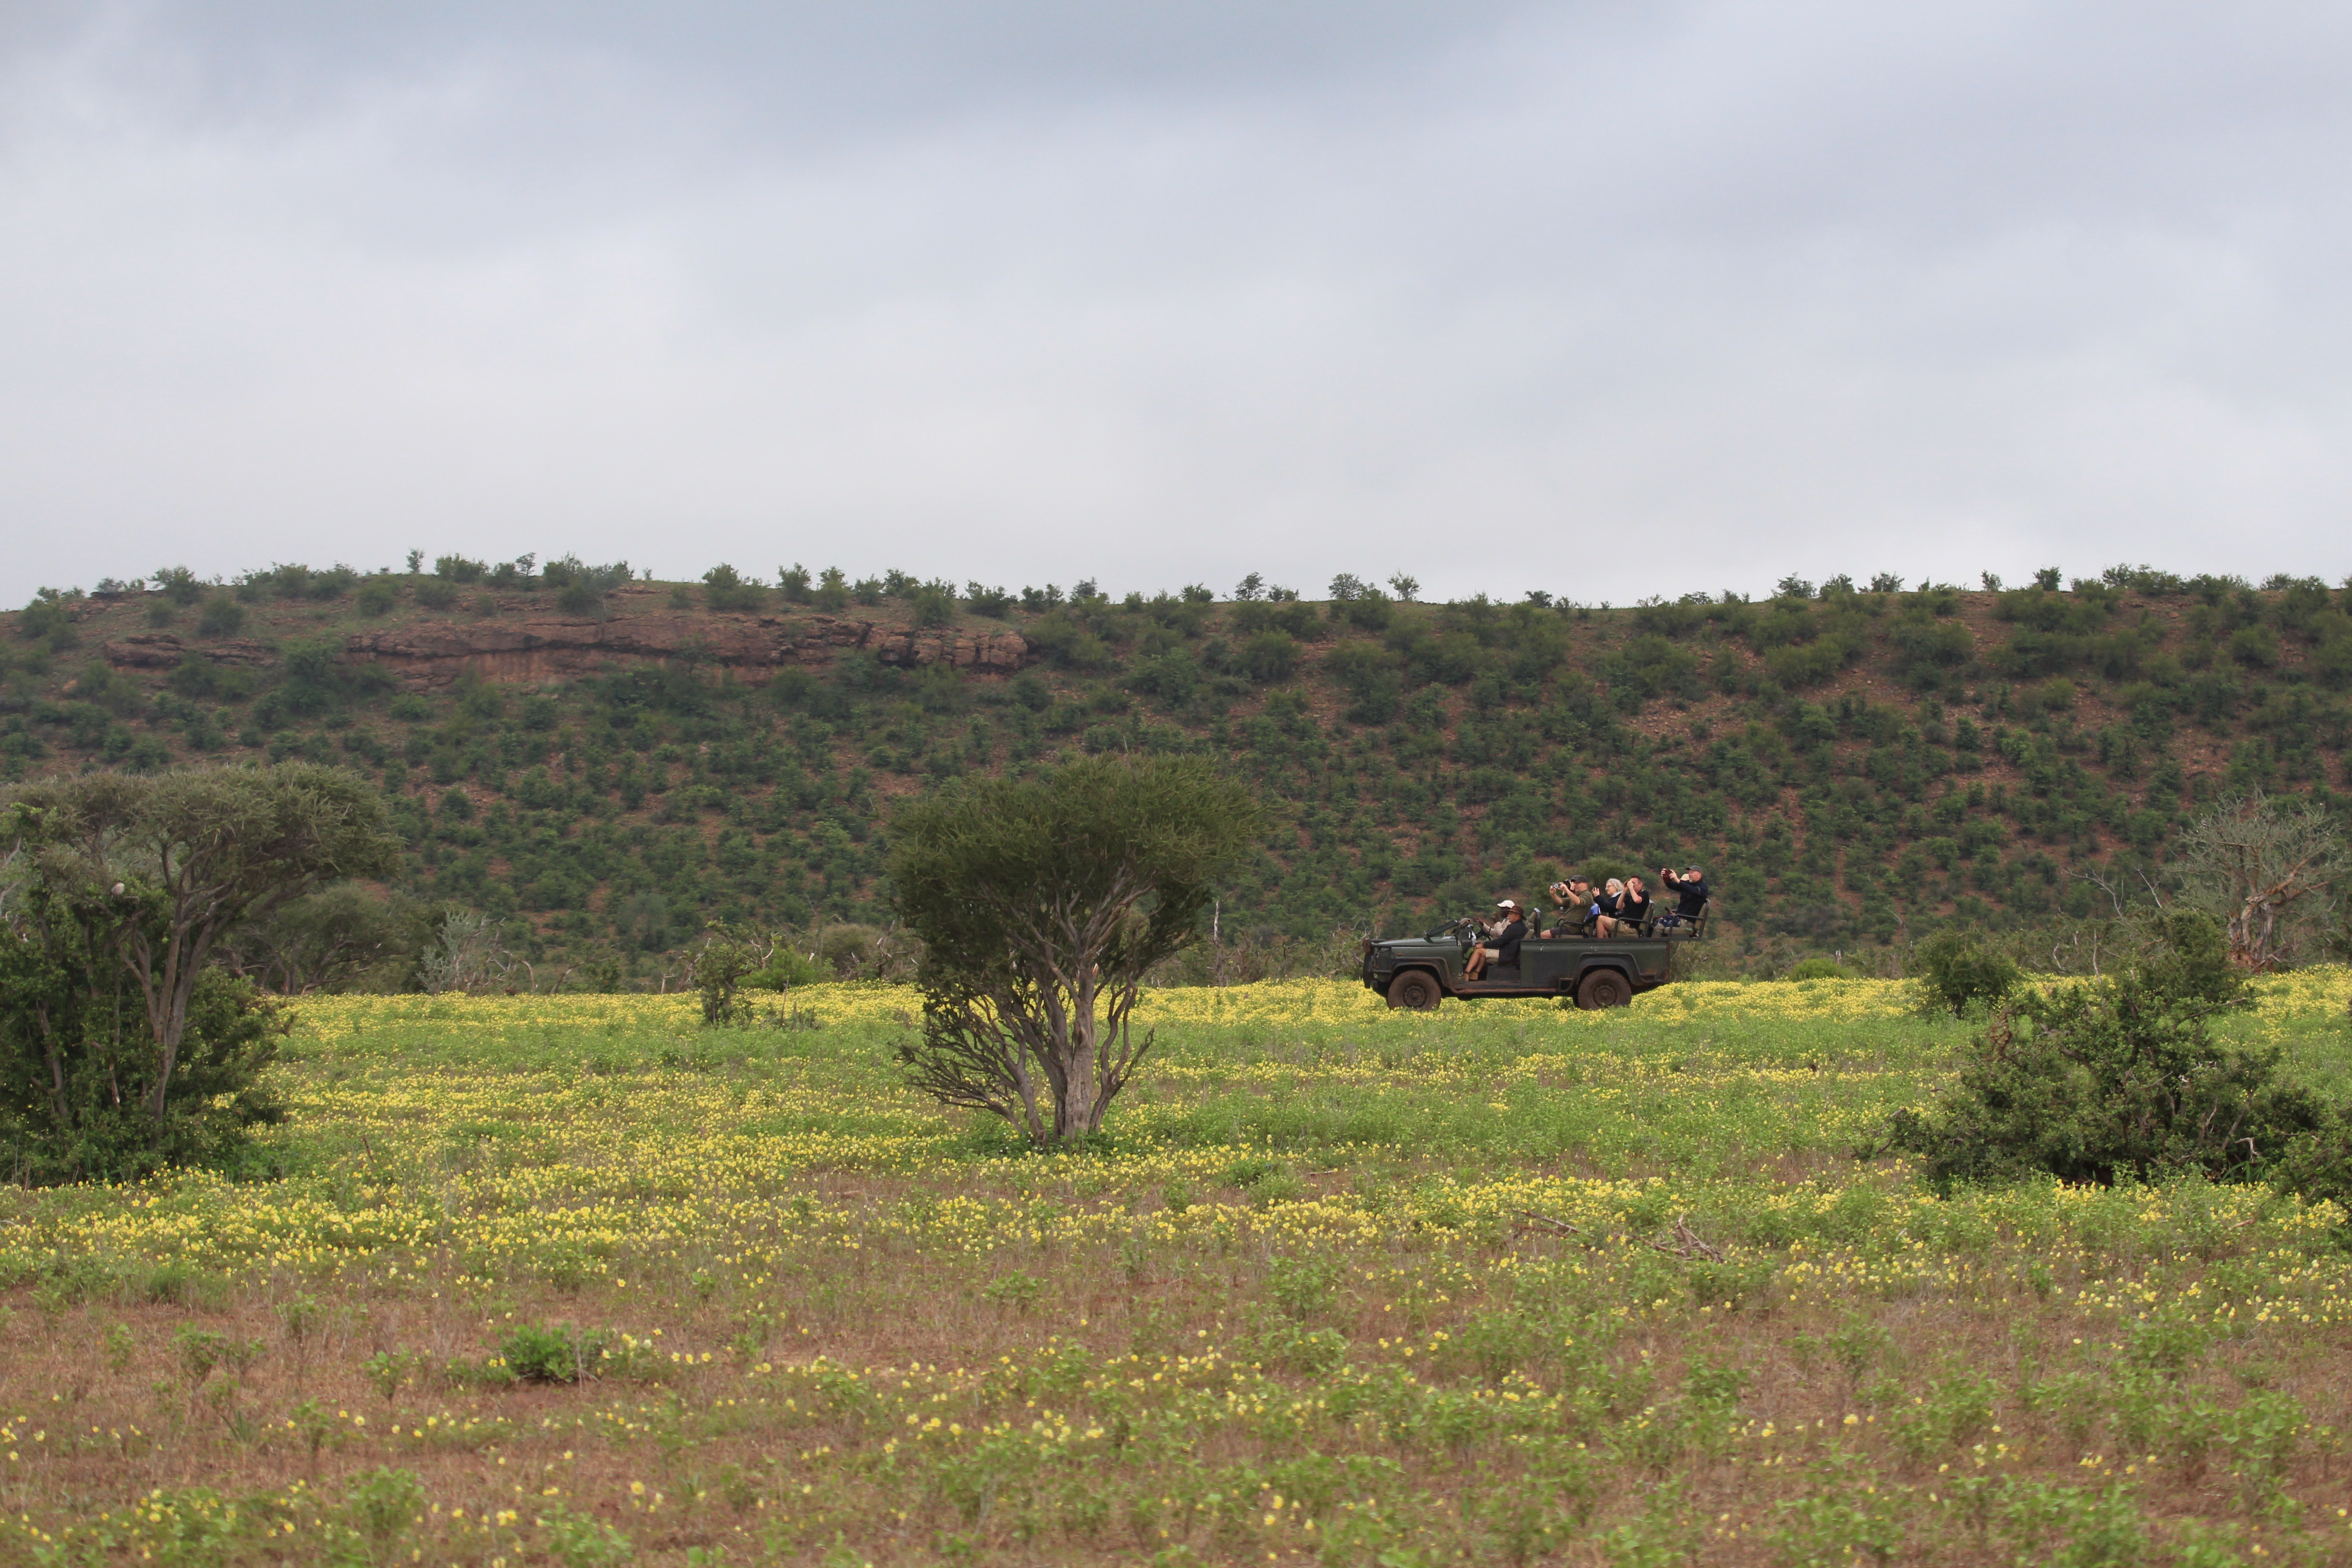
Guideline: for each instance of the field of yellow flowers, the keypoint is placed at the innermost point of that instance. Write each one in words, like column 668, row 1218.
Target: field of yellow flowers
column 574, row 1280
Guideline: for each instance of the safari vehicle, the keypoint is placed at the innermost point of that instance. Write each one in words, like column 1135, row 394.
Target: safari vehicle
column 1419, row 972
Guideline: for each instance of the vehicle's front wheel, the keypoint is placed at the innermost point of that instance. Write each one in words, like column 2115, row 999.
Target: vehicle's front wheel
column 1603, row 988
column 1416, row 989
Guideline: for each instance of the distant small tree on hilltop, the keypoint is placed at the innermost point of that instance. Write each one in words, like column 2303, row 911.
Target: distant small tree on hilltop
column 726, row 590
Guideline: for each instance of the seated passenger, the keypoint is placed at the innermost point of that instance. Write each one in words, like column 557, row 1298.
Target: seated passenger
column 1503, row 947
column 1633, row 909
column 1575, row 915
column 1691, row 895
column 1612, row 896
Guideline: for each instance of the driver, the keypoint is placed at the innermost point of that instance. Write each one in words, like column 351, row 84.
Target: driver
column 1503, row 947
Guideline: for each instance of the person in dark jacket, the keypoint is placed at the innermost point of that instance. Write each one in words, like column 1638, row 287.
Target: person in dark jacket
column 1503, row 947
column 1690, row 893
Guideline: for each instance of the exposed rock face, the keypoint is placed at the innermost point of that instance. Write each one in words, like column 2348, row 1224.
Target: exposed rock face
column 434, row 653
column 162, row 650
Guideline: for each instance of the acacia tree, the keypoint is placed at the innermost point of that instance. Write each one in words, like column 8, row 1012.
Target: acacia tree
column 2267, row 870
column 134, row 882
column 1041, row 904
column 321, row 942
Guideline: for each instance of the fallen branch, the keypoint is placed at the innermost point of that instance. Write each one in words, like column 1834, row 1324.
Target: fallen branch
column 1560, row 1226
column 1686, row 1243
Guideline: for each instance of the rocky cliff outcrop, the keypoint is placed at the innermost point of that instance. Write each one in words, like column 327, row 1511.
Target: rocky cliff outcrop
column 162, row 650
column 434, row 653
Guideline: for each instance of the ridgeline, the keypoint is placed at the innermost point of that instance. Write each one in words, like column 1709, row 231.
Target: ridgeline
column 607, row 764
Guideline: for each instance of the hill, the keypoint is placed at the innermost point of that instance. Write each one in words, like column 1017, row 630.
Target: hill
column 607, row 763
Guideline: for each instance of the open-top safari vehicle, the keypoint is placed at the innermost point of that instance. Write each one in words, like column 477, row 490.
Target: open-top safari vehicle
column 1419, row 972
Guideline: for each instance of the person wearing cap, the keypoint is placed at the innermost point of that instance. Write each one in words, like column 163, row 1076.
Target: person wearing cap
column 1574, row 915
column 1691, row 892
column 1505, row 943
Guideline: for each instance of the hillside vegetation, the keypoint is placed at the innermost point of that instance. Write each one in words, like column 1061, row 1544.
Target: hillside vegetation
column 606, row 764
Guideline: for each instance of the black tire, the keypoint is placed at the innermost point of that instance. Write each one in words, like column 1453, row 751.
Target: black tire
column 1416, row 989
column 1602, row 988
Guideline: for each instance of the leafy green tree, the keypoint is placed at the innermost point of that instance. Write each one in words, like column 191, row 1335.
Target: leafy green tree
column 326, row 942
column 120, row 889
column 1041, row 904
column 1367, row 674
column 76, row 1078
column 994, row 603
column 377, row 597
column 580, row 588
column 726, row 959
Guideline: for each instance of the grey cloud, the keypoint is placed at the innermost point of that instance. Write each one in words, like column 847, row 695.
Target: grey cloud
column 1605, row 300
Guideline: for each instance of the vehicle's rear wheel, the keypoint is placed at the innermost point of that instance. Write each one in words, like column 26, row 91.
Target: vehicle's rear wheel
column 1416, row 989
column 1603, row 988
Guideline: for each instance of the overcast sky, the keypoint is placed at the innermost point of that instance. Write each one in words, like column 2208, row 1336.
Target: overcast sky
column 1607, row 299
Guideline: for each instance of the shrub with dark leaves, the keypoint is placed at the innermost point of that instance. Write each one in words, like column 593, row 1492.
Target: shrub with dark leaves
column 1956, row 968
column 2121, row 1080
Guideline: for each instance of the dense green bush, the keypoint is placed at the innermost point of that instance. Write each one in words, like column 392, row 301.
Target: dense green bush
column 535, row 1353
column 787, row 969
column 122, row 1048
column 1269, row 658
column 1957, row 968
column 74, row 1076
column 2122, row 1078
column 934, row 606
column 221, row 616
column 376, row 597
column 726, row 590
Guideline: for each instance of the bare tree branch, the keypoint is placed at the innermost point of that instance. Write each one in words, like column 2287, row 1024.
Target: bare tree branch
column 2268, row 871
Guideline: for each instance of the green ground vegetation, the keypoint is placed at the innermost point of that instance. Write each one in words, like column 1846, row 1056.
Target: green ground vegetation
column 583, row 1280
